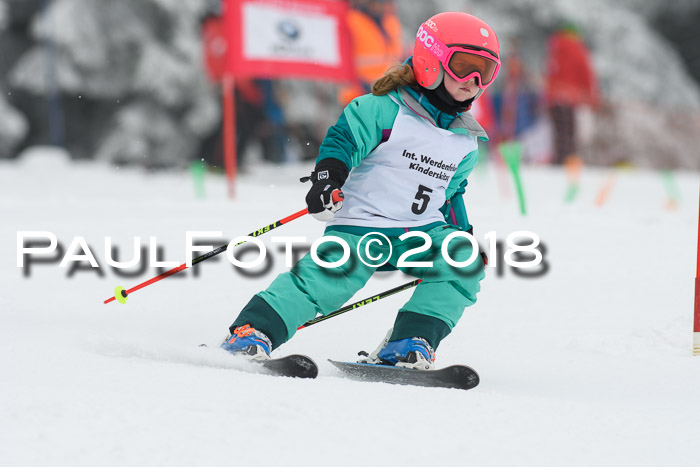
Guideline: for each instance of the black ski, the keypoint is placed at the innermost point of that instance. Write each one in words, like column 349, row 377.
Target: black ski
column 293, row 366
column 455, row 376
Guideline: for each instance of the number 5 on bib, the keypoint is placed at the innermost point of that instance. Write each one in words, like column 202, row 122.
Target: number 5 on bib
column 422, row 200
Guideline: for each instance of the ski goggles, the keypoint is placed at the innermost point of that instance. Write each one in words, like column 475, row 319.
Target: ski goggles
column 462, row 63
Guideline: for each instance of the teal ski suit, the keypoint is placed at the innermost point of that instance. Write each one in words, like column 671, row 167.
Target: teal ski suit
column 436, row 305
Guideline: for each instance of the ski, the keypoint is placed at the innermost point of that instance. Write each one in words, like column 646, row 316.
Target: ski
column 292, row 366
column 455, row 376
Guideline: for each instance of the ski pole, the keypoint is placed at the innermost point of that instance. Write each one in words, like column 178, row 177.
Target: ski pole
column 366, row 301
column 120, row 294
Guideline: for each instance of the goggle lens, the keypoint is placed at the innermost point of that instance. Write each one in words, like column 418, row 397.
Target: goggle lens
column 463, row 64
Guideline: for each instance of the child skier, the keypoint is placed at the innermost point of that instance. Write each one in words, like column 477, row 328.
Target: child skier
column 401, row 157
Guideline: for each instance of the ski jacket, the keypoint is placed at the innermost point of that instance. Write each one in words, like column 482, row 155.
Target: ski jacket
column 376, row 45
column 368, row 121
column 571, row 79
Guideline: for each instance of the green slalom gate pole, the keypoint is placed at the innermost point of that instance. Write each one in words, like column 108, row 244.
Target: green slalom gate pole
column 674, row 194
column 573, row 166
column 511, row 152
column 198, row 171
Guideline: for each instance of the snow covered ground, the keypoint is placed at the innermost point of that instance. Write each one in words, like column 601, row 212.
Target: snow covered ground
column 590, row 364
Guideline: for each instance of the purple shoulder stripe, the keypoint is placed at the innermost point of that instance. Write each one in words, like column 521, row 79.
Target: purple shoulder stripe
column 385, row 135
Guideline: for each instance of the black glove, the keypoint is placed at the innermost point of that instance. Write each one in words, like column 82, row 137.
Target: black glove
column 327, row 178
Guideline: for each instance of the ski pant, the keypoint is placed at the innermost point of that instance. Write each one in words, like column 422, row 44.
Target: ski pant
column 309, row 289
column 564, row 121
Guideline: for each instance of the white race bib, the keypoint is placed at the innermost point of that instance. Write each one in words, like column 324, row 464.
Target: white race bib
column 402, row 182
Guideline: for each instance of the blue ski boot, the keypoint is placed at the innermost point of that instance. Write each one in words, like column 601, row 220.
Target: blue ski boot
column 412, row 352
column 248, row 342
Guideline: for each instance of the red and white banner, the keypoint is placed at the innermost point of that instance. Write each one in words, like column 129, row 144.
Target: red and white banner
column 288, row 38
column 215, row 47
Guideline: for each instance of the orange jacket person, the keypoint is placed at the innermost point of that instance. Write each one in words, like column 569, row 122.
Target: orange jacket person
column 376, row 37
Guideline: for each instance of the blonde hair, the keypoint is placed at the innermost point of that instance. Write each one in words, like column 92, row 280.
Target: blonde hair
column 398, row 75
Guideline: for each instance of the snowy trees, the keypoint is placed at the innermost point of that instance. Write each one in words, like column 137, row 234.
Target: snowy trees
column 13, row 124
column 123, row 81
column 13, row 127
column 130, row 76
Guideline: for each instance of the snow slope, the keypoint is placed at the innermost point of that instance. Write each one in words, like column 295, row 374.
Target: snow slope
column 589, row 364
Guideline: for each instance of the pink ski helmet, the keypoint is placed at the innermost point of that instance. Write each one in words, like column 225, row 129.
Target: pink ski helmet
column 457, row 43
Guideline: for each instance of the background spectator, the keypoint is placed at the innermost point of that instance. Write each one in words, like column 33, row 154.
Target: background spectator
column 571, row 82
column 376, row 36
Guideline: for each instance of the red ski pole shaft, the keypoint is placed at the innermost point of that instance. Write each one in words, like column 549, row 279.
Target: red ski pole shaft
column 337, row 196
column 209, row 254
